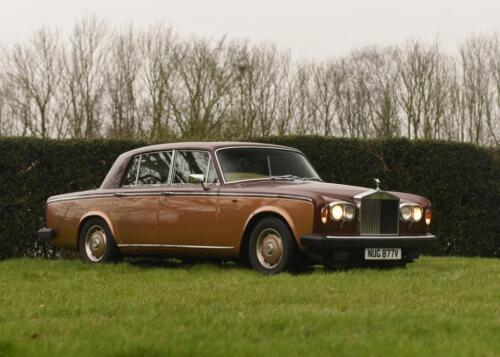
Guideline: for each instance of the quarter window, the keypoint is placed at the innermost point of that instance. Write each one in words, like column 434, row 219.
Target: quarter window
column 212, row 174
column 131, row 175
column 193, row 162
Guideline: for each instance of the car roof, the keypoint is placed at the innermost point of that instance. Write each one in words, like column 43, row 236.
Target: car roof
column 203, row 145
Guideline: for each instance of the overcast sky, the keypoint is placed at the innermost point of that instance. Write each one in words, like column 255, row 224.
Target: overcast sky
column 309, row 28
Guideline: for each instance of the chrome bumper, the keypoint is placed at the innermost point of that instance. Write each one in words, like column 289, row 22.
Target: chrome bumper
column 410, row 241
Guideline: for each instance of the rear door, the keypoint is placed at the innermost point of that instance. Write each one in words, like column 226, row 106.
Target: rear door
column 135, row 206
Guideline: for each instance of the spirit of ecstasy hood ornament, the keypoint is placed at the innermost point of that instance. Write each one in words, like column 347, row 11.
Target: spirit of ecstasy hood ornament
column 377, row 182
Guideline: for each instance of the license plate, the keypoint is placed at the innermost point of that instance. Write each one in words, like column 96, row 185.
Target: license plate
column 383, row 253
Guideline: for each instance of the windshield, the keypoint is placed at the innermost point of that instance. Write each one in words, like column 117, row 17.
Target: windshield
column 239, row 164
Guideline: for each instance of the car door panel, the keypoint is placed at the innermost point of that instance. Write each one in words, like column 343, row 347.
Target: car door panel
column 188, row 213
column 188, row 217
column 136, row 218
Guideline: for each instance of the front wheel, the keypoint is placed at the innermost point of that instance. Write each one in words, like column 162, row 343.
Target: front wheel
column 96, row 243
column 272, row 247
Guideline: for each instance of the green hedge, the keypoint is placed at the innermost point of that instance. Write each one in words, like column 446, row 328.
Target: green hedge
column 31, row 170
column 462, row 181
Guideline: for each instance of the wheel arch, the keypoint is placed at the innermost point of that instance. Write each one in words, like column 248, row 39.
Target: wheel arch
column 258, row 215
column 94, row 214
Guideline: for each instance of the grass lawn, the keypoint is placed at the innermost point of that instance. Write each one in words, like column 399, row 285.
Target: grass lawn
column 445, row 306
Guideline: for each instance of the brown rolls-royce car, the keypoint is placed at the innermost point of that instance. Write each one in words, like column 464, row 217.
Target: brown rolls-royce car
column 264, row 204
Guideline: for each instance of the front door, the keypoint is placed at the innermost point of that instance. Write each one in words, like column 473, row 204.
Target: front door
column 187, row 216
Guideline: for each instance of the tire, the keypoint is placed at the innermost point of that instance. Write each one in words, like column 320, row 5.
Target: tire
column 272, row 248
column 96, row 243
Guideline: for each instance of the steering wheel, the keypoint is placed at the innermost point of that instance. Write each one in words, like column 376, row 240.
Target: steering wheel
column 152, row 178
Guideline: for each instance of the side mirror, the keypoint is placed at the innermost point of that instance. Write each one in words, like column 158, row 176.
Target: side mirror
column 197, row 178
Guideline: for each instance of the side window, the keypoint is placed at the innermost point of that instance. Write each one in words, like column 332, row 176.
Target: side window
column 193, row 162
column 212, row 174
column 154, row 168
column 131, row 174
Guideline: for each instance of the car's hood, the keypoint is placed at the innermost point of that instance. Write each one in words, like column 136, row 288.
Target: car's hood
column 319, row 190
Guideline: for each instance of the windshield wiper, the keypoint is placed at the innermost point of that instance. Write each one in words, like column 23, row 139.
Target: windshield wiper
column 285, row 177
column 294, row 177
column 312, row 178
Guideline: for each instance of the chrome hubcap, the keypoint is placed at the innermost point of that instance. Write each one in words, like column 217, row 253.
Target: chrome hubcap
column 269, row 248
column 95, row 243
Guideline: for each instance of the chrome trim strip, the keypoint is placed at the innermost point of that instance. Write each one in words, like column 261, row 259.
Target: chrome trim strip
column 431, row 236
column 79, row 197
column 208, row 167
column 176, row 193
column 171, row 169
column 156, row 193
column 138, row 170
column 173, row 246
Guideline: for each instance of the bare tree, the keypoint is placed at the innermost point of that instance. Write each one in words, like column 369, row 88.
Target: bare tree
column 198, row 87
column 302, row 95
column 84, row 76
column 477, row 87
column 32, row 76
column 152, row 84
column 260, row 75
column 494, row 114
column 377, row 72
column 122, row 86
column 157, row 45
column 3, row 114
column 424, row 89
column 352, row 101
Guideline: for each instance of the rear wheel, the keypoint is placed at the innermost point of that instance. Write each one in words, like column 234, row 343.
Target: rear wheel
column 96, row 243
column 272, row 248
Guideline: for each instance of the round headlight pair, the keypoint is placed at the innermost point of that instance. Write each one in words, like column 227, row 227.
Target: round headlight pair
column 342, row 211
column 412, row 213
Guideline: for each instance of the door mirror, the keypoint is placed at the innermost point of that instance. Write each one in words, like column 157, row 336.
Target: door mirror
column 197, row 178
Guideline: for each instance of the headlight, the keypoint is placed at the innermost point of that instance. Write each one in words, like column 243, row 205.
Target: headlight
column 337, row 212
column 349, row 212
column 406, row 213
column 342, row 211
column 411, row 212
column 417, row 213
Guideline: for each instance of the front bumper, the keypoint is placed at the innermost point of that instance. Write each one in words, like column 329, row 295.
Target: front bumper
column 46, row 234
column 319, row 241
column 350, row 250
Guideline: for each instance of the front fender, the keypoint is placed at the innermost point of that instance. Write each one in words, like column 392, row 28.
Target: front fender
column 299, row 216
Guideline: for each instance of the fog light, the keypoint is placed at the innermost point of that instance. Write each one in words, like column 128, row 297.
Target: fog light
column 428, row 216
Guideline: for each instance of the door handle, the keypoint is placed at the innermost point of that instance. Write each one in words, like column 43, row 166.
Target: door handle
column 118, row 194
column 166, row 194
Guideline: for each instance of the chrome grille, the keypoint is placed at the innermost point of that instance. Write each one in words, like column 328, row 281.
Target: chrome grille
column 379, row 214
